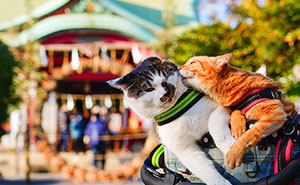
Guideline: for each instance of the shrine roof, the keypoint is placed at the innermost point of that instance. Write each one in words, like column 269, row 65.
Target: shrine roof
column 15, row 12
column 149, row 11
column 64, row 22
column 139, row 19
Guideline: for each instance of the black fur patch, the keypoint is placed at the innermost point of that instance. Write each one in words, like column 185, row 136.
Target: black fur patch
column 139, row 80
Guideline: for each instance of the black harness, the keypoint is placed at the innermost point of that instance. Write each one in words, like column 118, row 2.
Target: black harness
column 283, row 138
column 291, row 130
column 263, row 94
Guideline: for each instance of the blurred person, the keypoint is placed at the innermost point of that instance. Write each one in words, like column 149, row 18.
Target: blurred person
column 49, row 118
column 18, row 128
column 115, row 128
column 62, row 121
column 77, row 131
column 94, row 129
column 86, row 117
column 104, row 114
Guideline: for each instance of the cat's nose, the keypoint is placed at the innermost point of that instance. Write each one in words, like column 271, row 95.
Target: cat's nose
column 181, row 67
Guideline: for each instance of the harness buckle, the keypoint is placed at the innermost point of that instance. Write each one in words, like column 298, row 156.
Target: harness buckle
column 286, row 132
column 252, row 173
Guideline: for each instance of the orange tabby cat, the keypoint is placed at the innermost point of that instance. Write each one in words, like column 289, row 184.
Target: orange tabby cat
column 227, row 85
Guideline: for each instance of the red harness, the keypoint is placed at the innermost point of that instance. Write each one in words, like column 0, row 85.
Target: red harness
column 245, row 109
column 284, row 147
column 254, row 97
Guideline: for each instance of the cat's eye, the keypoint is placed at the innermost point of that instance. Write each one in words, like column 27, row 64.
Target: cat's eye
column 150, row 89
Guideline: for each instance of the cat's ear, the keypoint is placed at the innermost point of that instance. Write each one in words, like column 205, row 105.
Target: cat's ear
column 118, row 83
column 223, row 59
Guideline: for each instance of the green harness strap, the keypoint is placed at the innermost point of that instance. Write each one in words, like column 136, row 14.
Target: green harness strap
column 184, row 103
column 156, row 157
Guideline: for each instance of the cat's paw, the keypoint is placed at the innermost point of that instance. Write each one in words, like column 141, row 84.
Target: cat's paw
column 238, row 131
column 234, row 156
column 238, row 123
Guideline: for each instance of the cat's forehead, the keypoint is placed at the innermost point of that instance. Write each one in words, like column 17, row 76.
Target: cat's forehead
column 158, row 64
column 200, row 59
column 157, row 78
column 153, row 66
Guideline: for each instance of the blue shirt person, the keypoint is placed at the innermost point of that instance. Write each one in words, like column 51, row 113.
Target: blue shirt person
column 62, row 120
column 76, row 132
column 94, row 129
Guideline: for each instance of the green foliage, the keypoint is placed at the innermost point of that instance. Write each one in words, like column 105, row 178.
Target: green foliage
column 30, row 76
column 271, row 37
column 29, row 70
column 7, row 88
column 205, row 40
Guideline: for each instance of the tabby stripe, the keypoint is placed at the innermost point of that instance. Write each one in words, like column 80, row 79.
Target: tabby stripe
column 156, row 155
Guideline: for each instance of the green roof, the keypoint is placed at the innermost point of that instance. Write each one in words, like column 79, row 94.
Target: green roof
column 65, row 22
column 15, row 12
column 152, row 15
column 138, row 19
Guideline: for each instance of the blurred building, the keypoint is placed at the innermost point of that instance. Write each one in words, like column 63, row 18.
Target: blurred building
column 84, row 43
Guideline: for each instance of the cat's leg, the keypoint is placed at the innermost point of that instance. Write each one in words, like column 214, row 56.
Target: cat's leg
column 270, row 116
column 238, row 123
column 193, row 158
column 219, row 130
column 180, row 138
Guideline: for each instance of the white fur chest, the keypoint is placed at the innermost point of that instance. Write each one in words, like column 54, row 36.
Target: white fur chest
column 193, row 123
column 180, row 137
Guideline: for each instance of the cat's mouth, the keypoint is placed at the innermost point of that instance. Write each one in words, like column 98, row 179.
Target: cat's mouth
column 170, row 91
column 186, row 74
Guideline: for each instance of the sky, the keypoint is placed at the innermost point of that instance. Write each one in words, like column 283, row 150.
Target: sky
column 219, row 9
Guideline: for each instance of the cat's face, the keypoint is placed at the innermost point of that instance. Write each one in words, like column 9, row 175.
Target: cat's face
column 201, row 71
column 151, row 87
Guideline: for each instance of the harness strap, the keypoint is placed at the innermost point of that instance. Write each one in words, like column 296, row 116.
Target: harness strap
column 283, row 155
column 291, row 130
column 156, row 157
column 254, row 97
column 184, row 103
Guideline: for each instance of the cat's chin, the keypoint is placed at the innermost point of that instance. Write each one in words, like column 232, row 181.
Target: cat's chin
column 166, row 102
column 186, row 82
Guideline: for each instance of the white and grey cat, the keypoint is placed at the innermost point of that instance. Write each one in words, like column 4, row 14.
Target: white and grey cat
column 153, row 88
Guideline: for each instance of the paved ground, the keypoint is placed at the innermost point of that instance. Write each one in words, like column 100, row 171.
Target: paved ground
column 55, row 180
column 12, row 168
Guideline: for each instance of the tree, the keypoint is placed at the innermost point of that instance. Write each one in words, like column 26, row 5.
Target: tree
column 266, row 34
column 7, row 88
